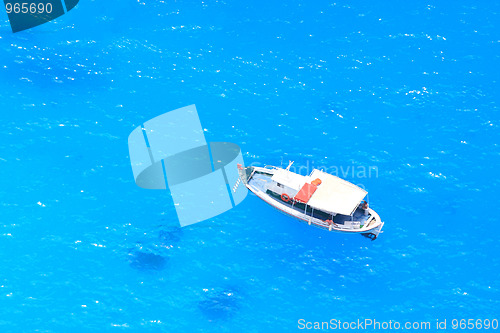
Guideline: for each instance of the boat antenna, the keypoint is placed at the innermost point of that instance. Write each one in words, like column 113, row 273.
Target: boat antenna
column 281, row 165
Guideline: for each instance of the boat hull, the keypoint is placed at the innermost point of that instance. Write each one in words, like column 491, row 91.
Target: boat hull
column 370, row 229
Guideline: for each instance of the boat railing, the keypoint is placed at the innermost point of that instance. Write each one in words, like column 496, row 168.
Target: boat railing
column 251, row 175
column 367, row 223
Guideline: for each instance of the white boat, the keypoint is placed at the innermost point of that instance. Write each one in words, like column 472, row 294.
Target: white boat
column 320, row 199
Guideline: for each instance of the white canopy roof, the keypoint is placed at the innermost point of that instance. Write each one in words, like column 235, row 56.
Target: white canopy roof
column 335, row 195
column 290, row 179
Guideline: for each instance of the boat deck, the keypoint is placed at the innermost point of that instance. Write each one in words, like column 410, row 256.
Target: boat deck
column 260, row 181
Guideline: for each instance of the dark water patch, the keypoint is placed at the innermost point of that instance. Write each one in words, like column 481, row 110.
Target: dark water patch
column 220, row 304
column 144, row 260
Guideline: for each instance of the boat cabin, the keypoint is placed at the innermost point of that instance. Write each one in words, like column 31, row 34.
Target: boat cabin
column 321, row 196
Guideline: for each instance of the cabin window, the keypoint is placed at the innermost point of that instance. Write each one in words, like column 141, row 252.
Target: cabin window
column 280, row 185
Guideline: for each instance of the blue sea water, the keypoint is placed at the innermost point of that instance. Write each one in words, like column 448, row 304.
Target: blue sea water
column 408, row 88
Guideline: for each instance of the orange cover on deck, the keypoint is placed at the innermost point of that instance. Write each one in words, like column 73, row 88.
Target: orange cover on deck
column 305, row 193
